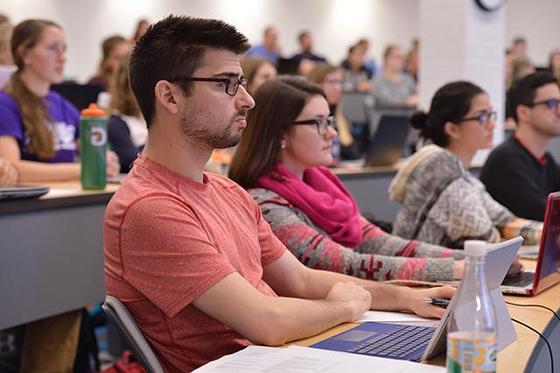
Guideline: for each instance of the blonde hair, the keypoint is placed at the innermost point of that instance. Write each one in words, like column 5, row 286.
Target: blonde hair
column 122, row 99
column 6, row 29
column 250, row 67
column 318, row 76
column 33, row 109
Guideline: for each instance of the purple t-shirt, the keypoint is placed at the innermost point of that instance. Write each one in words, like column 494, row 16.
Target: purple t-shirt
column 65, row 126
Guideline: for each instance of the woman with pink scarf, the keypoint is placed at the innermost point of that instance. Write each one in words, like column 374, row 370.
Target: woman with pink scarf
column 281, row 160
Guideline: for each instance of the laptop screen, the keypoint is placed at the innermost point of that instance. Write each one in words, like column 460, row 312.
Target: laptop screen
column 550, row 261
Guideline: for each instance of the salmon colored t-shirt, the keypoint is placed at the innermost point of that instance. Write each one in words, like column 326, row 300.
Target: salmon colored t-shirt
column 168, row 240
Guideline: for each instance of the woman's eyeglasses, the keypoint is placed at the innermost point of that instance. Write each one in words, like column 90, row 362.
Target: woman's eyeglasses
column 322, row 124
column 483, row 118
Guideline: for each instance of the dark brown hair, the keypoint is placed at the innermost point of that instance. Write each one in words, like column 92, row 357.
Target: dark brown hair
column 450, row 104
column 278, row 103
column 33, row 109
column 174, row 48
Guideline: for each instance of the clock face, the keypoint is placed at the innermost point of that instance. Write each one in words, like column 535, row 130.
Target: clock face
column 490, row 5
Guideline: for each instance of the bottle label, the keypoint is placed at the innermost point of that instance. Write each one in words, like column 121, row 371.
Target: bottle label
column 98, row 136
column 471, row 354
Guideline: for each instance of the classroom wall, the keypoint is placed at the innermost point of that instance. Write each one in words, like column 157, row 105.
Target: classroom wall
column 335, row 23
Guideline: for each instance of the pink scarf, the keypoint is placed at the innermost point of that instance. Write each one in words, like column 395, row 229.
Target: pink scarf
column 322, row 197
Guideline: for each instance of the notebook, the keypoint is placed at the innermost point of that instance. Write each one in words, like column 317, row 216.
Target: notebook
column 20, row 192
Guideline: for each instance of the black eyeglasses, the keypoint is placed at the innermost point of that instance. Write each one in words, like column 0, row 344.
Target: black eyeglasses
column 232, row 83
column 322, row 124
column 483, row 118
column 551, row 103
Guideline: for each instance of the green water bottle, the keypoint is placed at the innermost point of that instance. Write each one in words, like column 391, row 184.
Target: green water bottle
column 93, row 147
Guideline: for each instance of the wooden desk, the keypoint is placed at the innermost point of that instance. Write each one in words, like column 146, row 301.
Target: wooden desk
column 52, row 253
column 527, row 353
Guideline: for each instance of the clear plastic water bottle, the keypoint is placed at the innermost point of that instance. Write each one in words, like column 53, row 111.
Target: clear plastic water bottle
column 471, row 337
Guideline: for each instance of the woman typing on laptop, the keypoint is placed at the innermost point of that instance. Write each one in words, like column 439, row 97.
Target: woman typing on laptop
column 442, row 202
column 281, row 159
column 38, row 127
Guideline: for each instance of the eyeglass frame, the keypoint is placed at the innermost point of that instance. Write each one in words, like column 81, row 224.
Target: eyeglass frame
column 492, row 115
column 237, row 81
column 546, row 102
column 330, row 123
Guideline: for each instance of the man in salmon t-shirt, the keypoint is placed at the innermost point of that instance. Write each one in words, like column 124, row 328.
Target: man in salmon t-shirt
column 189, row 252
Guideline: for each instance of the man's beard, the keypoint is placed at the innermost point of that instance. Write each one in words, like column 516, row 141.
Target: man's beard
column 205, row 137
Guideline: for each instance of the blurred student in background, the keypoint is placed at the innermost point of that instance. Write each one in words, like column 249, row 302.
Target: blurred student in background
column 141, row 27
column 257, row 71
column 112, row 48
column 38, row 127
column 7, row 66
column 127, row 130
column 394, row 88
column 331, row 80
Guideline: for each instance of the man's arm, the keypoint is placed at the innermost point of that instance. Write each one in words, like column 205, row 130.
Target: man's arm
column 288, row 277
column 274, row 321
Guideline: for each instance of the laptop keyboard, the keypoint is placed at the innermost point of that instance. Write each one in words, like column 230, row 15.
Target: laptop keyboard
column 402, row 341
column 523, row 280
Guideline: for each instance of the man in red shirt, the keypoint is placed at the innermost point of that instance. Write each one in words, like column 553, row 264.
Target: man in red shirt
column 189, row 252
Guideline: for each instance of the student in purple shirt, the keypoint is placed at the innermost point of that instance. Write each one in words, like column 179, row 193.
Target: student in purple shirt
column 38, row 133
column 38, row 127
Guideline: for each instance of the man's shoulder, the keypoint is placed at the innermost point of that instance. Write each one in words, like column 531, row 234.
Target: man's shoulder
column 507, row 153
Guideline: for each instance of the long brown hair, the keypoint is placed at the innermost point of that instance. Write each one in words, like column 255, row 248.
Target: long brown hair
column 122, row 99
column 108, row 45
column 34, row 111
column 278, row 103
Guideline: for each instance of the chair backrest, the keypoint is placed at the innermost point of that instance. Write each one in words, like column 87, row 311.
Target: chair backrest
column 124, row 321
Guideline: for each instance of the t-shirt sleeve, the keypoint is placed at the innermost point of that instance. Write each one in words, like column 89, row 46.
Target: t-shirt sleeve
column 167, row 255
column 10, row 118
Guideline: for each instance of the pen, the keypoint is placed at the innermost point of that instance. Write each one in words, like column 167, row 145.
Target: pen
column 440, row 302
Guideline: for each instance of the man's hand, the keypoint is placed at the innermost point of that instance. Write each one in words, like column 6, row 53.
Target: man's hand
column 417, row 300
column 355, row 297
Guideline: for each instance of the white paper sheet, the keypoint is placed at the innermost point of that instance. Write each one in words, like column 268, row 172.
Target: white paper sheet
column 396, row 318
column 296, row 359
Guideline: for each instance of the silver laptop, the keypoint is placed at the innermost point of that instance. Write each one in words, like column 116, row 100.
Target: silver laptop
column 426, row 342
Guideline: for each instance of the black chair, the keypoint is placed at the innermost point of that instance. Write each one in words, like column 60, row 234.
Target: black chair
column 142, row 350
